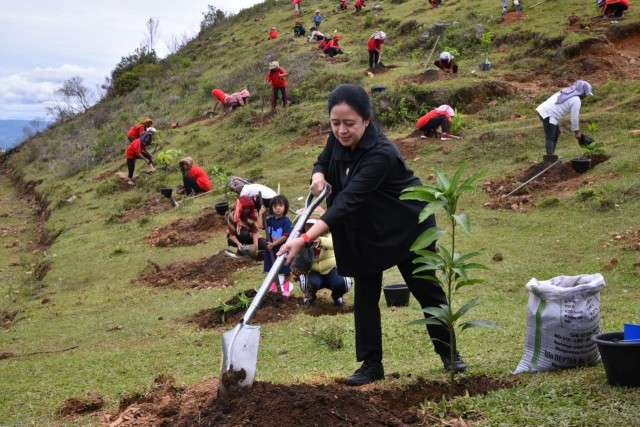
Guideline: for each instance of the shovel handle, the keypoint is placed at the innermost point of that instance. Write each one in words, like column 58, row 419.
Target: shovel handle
column 310, row 205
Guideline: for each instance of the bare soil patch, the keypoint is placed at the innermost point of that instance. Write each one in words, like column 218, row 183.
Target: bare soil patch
column 510, row 18
column 7, row 317
column 296, row 404
column 380, row 69
column 314, row 136
column 273, row 308
column 559, row 179
column 188, row 232
column 427, row 76
column 91, row 402
column 212, row 272
column 630, row 239
column 152, row 206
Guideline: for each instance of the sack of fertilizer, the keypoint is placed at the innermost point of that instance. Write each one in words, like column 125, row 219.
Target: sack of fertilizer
column 562, row 315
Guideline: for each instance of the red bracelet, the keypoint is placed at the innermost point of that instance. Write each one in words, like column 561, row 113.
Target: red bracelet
column 305, row 238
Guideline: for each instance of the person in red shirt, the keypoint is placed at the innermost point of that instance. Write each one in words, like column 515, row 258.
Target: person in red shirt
column 434, row 119
column 297, row 6
column 359, row 4
column 137, row 130
column 277, row 77
column 374, row 46
column 344, row 5
column 138, row 150
column 194, row 178
column 614, row 8
column 332, row 47
column 273, row 33
column 435, row 3
column 229, row 102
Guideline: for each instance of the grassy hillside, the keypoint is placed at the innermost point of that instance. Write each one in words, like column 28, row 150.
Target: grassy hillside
column 127, row 333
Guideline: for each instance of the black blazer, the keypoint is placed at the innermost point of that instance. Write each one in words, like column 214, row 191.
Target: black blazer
column 372, row 228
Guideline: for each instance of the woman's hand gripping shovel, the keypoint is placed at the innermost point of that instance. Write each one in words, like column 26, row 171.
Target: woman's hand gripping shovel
column 240, row 345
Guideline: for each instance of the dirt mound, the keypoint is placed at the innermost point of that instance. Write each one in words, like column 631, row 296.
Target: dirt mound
column 559, row 179
column 7, row 317
column 411, row 145
column 380, row 69
column 187, row 232
column 510, row 18
column 152, row 206
column 314, row 136
column 81, row 405
column 630, row 239
column 274, row 308
column 427, row 76
column 296, row 404
column 213, row 272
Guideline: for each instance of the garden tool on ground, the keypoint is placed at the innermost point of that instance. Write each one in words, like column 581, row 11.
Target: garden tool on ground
column 240, row 345
column 536, row 176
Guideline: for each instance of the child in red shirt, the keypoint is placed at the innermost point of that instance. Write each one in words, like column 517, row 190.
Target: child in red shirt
column 332, row 47
column 273, row 33
column 194, row 178
column 277, row 77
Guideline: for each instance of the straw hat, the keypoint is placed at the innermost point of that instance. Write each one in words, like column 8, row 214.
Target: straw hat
column 273, row 65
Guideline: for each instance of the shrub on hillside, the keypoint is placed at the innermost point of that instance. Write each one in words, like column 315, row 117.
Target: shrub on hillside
column 127, row 74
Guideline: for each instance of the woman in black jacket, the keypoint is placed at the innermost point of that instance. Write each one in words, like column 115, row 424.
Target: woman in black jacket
column 372, row 228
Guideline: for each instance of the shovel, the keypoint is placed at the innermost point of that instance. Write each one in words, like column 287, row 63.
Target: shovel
column 240, row 345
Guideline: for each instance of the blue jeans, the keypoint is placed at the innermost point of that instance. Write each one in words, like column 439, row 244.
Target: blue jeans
column 332, row 281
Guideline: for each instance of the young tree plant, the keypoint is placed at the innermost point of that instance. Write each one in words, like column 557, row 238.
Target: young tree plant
column 446, row 266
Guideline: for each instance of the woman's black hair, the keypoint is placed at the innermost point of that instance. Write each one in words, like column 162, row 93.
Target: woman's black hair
column 279, row 200
column 355, row 97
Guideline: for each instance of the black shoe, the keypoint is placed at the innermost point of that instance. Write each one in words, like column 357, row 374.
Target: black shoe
column 458, row 363
column 369, row 372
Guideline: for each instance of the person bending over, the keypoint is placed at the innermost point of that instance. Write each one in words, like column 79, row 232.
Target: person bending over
column 194, row 178
column 137, row 130
column 437, row 118
column 446, row 62
column 138, row 150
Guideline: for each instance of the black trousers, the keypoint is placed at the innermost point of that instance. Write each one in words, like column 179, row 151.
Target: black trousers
column 332, row 51
column 190, row 185
column 615, row 10
column 367, row 310
column 551, row 135
column 274, row 96
column 440, row 121
column 374, row 58
column 131, row 166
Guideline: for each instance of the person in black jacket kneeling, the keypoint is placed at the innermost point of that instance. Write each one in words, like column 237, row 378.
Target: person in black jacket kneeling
column 372, row 228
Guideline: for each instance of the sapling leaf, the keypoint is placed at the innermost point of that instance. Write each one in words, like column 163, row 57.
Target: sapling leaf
column 459, row 258
column 428, row 321
column 475, row 266
column 427, row 237
column 477, row 324
column 463, row 220
column 423, row 196
column 469, row 282
column 429, row 210
column 468, row 184
column 427, row 267
column 443, row 181
column 466, row 307
column 426, row 253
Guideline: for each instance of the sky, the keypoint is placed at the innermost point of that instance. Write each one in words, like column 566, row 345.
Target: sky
column 44, row 42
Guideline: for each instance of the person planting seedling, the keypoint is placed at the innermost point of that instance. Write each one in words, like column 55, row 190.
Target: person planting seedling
column 446, row 62
column 138, row 150
column 437, row 118
column 229, row 102
column 194, row 178
column 566, row 102
column 516, row 5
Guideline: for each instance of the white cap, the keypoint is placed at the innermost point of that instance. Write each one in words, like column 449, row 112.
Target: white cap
column 379, row 35
column 152, row 129
column 446, row 56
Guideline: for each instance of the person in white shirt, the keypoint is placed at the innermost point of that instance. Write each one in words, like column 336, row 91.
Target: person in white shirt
column 565, row 102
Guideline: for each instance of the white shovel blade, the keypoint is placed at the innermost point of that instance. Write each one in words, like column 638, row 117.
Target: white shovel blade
column 244, row 352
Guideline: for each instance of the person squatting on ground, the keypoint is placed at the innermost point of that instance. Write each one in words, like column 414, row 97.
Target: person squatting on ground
column 613, row 8
column 242, row 227
column 317, row 19
column 138, row 150
column 298, row 30
column 565, row 102
column 332, row 47
column 277, row 226
column 516, row 5
column 446, row 62
column 137, row 130
column 372, row 228
column 322, row 273
column 229, row 102
column 374, row 46
column 194, row 179
column 359, row 4
column 437, row 118
column 277, row 77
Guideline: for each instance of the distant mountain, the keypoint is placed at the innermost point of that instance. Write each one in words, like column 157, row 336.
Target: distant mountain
column 12, row 131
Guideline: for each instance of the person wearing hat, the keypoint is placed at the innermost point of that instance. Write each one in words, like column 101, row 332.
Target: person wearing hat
column 437, row 118
column 516, row 5
column 374, row 46
column 317, row 19
column 273, row 33
column 138, row 150
column 373, row 228
column 138, row 129
column 194, row 178
column 322, row 273
column 332, row 47
column 562, row 103
column 277, row 77
column 446, row 62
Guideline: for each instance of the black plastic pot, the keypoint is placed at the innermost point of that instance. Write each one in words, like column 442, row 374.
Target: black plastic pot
column 166, row 192
column 485, row 65
column 621, row 359
column 396, row 295
column 221, row 207
column 378, row 89
column 581, row 164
